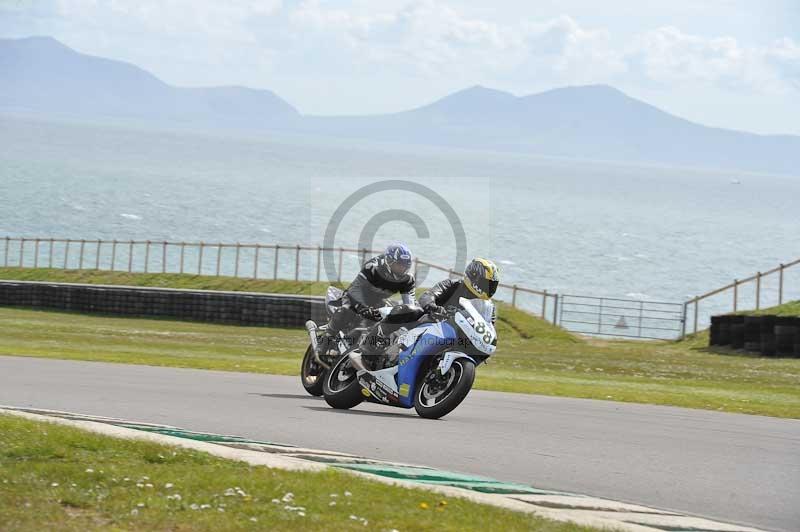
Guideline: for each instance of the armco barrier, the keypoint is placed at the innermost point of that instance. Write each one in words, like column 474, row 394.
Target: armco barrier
column 240, row 308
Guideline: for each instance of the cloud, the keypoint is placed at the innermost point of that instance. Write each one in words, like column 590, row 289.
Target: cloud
column 670, row 57
column 238, row 40
column 564, row 49
column 430, row 39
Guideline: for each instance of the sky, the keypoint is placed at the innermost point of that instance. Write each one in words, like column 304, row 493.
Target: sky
column 725, row 63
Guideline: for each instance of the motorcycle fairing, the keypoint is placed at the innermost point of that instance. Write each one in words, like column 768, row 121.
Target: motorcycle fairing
column 380, row 385
column 430, row 342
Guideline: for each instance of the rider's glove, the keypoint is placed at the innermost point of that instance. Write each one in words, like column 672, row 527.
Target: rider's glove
column 371, row 313
column 437, row 312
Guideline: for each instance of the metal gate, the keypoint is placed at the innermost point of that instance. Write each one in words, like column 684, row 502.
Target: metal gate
column 627, row 318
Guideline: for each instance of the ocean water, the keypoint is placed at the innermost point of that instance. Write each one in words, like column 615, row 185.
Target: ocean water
column 601, row 229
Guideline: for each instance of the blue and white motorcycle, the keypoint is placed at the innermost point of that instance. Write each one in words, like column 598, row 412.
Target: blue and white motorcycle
column 429, row 366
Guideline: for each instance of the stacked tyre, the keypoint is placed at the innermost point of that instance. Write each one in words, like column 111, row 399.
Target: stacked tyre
column 767, row 335
column 786, row 336
column 752, row 333
column 737, row 331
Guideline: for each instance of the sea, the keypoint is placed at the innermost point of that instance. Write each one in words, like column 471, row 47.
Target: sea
column 598, row 228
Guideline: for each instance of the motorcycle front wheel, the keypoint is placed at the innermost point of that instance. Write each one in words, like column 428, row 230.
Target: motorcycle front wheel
column 312, row 373
column 438, row 395
column 340, row 385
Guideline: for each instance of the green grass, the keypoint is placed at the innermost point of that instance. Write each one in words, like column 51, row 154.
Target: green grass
column 791, row 309
column 533, row 357
column 167, row 280
column 54, row 477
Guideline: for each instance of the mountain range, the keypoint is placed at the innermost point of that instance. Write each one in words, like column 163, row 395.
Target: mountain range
column 597, row 122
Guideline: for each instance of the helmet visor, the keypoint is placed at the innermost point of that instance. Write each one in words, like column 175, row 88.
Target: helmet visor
column 491, row 288
column 399, row 268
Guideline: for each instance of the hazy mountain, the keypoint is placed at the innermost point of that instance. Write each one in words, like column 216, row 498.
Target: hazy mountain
column 591, row 122
column 588, row 122
column 42, row 75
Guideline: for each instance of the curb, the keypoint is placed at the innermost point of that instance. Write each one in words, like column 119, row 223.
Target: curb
column 558, row 506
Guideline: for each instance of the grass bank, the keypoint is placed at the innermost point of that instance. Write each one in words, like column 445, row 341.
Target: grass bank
column 533, row 356
column 54, row 477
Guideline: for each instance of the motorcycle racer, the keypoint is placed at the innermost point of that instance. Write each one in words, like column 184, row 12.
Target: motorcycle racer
column 480, row 281
column 380, row 277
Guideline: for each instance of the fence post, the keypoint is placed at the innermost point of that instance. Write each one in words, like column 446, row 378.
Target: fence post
column 80, row 259
column 555, row 309
column 66, row 254
column 164, row 258
column 696, row 311
column 780, row 285
column 641, row 312
column 544, row 303
column 297, row 263
column 200, row 259
column 219, row 257
column 236, row 266
column 735, row 294
column 130, row 256
column 275, row 266
column 600, row 316
column 255, row 262
column 683, row 319
column 363, row 255
column 514, row 296
column 319, row 260
column 758, row 290
column 339, row 275
column 97, row 257
column 113, row 254
column 146, row 256
column 36, row 253
column 183, row 253
column 21, row 251
column 50, row 254
column 5, row 253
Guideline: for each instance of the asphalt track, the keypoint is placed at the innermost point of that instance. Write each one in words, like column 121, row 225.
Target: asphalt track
column 735, row 468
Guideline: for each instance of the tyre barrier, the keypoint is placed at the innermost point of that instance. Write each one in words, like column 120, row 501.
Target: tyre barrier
column 737, row 331
column 767, row 335
column 238, row 308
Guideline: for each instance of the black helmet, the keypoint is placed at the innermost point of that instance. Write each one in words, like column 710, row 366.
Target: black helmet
column 481, row 278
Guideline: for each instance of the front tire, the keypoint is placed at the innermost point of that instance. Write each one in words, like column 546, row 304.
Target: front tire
column 437, row 397
column 312, row 374
column 340, row 385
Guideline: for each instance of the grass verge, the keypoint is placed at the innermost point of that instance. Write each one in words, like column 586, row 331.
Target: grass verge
column 54, row 477
column 533, row 356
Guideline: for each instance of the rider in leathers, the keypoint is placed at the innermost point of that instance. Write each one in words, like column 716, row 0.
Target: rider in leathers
column 480, row 282
column 381, row 277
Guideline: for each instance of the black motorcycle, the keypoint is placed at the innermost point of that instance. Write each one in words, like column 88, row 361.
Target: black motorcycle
column 319, row 359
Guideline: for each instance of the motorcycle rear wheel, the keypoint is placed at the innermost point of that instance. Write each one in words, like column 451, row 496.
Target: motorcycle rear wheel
column 435, row 401
column 312, row 374
column 341, row 387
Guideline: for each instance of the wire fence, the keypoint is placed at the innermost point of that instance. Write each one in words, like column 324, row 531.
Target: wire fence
column 577, row 313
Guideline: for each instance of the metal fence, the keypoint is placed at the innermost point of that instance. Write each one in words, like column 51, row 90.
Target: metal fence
column 245, row 260
column 582, row 314
column 621, row 317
